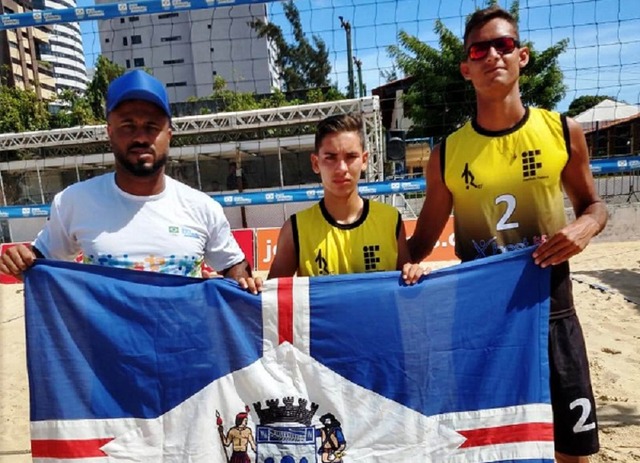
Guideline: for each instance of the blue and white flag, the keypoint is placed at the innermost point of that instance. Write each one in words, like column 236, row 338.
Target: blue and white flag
column 129, row 366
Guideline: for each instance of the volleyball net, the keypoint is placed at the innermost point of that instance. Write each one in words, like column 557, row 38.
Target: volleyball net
column 248, row 81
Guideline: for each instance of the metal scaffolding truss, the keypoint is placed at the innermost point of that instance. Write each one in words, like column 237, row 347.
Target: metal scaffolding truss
column 53, row 138
column 273, row 117
column 252, row 125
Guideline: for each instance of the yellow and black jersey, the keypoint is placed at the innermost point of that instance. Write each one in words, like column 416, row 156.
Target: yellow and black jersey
column 325, row 247
column 507, row 188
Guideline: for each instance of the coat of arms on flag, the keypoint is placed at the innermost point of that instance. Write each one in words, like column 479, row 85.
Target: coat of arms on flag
column 136, row 366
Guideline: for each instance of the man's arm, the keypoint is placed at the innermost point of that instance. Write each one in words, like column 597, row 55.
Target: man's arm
column 252, row 442
column 435, row 211
column 590, row 211
column 241, row 272
column 411, row 273
column 285, row 262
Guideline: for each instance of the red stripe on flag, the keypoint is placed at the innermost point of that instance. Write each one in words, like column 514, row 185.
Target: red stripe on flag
column 526, row 432
column 78, row 448
column 285, row 310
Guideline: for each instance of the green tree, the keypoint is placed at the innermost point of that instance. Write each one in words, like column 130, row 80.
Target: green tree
column 584, row 102
column 541, row 82
column 228, row 100
column 74, row 110
column 389, row 74
column 21, row 111
column 301, row 65
column 319, row 95
column 96, row 95
column 440, row 100
column 276, row 100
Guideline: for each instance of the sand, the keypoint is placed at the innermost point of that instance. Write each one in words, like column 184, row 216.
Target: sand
column 607, row 291
column 14, row 394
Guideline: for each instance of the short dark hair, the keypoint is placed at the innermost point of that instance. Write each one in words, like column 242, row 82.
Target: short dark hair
column 482, row 17
column 339, row 123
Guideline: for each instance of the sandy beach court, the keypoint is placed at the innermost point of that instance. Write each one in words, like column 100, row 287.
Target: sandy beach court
column 607, row 291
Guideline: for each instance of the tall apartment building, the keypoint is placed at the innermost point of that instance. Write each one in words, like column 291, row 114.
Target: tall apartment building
column 187, row 50
column 22, row 64
column 65, row 51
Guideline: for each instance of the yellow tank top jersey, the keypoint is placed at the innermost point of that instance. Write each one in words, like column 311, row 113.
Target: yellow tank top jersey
column 325, row 247
column 506, row 186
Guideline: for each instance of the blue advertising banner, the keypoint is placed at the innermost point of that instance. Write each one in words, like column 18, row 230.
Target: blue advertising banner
column 110, row 11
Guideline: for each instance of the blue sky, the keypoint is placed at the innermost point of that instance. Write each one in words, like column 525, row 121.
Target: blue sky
column 603, row 56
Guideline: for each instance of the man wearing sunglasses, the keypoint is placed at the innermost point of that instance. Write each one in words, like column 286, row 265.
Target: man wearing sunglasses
column 504, row 173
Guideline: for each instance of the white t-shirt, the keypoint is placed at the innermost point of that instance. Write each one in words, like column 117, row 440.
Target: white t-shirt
column 172, row 232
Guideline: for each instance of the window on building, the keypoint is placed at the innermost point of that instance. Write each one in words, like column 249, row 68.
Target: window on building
column 176, row 84
column 173, row 61
column 168, row 15
column 128, row 63
column 173, row 38
column 134, row 18
column 125, row 41
column 121, row 20
column 138, row 62
column 136, row 39
column 107, row 40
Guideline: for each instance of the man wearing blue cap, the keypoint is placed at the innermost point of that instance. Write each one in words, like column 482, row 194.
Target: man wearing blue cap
column 137, row 217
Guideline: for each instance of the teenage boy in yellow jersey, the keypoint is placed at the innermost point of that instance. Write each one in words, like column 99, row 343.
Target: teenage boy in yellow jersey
column 343, row 233
column 503, row 174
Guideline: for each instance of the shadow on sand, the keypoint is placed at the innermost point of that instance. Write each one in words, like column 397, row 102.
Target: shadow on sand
column 618, row 415
column 623, row 281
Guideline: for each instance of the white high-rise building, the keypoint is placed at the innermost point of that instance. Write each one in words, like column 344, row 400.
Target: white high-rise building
column 65, row 51
column 186, row 50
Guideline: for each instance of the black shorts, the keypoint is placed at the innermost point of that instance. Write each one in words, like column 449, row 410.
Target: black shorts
column 574, row 407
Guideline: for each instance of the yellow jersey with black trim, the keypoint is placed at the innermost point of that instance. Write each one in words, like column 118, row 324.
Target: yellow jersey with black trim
column 325, row 247
column 506, row 186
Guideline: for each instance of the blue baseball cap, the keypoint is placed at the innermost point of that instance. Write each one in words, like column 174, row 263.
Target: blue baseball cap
column 137, row 85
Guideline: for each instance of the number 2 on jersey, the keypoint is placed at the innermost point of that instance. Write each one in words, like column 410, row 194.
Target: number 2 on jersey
column 503, row 223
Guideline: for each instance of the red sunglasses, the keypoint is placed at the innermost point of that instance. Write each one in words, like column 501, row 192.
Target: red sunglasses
column 502, row 45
